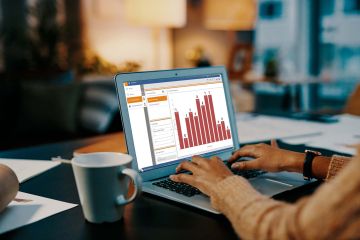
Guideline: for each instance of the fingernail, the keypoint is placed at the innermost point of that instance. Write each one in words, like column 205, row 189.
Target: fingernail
column 172, row 177
column 237, row 165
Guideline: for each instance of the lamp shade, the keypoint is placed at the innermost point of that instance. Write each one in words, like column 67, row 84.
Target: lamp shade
column 156, row 13
column 230, row 14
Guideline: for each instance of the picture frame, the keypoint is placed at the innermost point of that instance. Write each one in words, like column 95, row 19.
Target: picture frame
column 240, row 60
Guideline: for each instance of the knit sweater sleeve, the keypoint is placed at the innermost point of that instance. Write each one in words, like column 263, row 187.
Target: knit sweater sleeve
column 336, row 164
column 332, row 211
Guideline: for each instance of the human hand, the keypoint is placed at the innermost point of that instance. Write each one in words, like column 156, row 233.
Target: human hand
column 268, row 157
column 206, row 173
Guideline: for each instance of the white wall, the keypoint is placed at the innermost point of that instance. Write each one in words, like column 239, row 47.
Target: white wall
column 110, row 36
column 280, row 32
column 216, row 44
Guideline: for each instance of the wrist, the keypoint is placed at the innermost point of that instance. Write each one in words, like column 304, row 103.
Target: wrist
column 294, row 162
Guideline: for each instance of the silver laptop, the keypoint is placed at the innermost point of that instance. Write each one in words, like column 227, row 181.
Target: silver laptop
column 169, row 116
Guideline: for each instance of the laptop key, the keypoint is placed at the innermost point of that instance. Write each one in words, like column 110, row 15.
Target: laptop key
column 248, row 173
column 180, row 188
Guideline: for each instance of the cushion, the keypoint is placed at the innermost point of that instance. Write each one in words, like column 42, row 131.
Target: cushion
column 99, row 106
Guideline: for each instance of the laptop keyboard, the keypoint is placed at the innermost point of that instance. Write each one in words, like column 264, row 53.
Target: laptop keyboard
column 248, row 173
column 189, row 191
column 181, row 188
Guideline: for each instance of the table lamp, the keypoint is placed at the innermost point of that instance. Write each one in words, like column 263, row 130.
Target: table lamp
column 233, row 15
column 158, row 15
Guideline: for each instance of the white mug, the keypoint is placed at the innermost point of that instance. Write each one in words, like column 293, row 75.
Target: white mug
column 102, row 183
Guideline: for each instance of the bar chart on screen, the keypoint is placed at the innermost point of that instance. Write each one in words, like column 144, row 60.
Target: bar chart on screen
column 201, row 120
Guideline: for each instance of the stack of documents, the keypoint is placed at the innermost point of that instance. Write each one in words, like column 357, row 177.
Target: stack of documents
column 27, row 208
column 339, row 136
column 256, row 128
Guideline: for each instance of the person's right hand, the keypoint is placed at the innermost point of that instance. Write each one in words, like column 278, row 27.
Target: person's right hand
column 268, row 157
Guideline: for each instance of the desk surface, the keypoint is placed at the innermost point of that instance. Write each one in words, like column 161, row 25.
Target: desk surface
column 149, row 217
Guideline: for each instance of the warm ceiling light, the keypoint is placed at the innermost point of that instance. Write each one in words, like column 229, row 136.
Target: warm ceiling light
column 230, row 14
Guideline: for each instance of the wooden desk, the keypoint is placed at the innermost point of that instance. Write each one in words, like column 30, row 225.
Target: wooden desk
column 149, row 217
column 111, row 143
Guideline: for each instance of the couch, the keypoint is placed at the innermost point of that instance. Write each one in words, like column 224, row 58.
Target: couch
column 36, row 111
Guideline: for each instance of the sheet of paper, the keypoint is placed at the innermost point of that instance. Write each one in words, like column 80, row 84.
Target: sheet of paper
column 341, row 136
column 260, row 128
column 26, row 169
column 342, row 145
column 28, row 208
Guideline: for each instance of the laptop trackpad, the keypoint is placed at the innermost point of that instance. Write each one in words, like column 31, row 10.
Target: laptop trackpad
column 269, row 187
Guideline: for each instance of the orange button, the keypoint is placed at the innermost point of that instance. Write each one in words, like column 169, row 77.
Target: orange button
column 134, row 99
column 157, row 99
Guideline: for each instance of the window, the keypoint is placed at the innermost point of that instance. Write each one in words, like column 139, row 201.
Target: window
column 352, row 6
column 328, row 7
column 327, row 56
column 271, row 10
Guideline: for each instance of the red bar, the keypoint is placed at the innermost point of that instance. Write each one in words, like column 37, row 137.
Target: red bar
column 223, row 131
column 228, row 133
column 196, row 118
column 208, row 117
column 193, row 130
column 206, row 127
column 189, row 131
column 212, row 111
column 178, row 126
column 186, row 142
column 202, row 130
column 219, row 131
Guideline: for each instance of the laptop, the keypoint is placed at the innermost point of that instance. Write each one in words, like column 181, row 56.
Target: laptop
column 169, row 116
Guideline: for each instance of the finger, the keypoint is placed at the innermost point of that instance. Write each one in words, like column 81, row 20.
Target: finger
column 199, row 160
column 246, row 151
column 274, row 143
column 246, row 165
column 183, row 178
column 189, row 166
column 215, row 158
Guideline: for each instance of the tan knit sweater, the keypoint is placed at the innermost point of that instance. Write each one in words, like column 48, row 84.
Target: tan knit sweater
column 332, row 212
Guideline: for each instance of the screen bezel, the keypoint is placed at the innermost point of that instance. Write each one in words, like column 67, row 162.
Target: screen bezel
column 121, row 78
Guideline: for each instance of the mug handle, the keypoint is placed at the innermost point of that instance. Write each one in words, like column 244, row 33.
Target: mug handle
column 121, row 200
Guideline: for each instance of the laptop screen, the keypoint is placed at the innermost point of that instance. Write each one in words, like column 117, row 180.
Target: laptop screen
column 175, row 118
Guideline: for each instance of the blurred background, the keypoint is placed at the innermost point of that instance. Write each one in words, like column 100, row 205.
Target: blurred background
column 58, row 57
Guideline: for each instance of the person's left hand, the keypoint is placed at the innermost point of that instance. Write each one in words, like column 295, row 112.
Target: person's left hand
column 206, row 173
